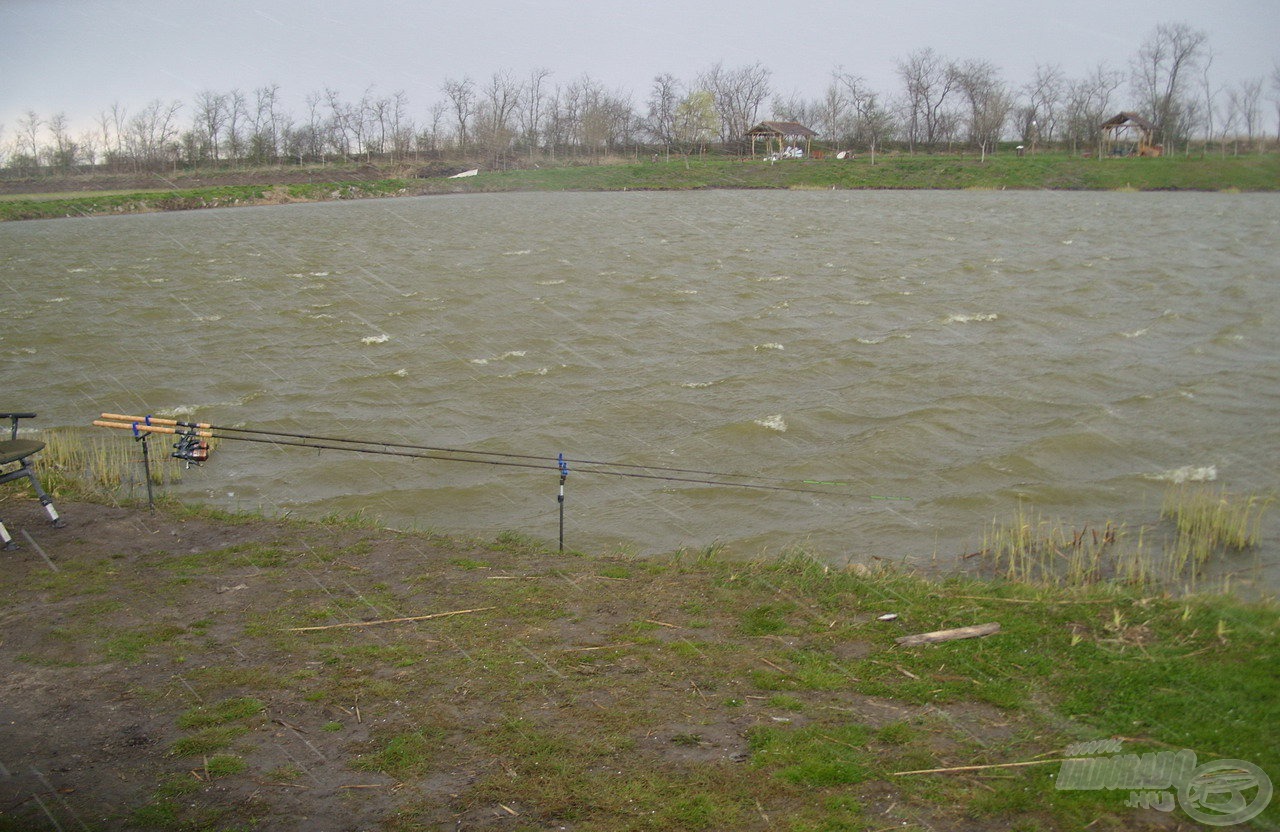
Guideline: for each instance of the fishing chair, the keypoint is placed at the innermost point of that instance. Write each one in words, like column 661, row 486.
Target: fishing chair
column 18, row 450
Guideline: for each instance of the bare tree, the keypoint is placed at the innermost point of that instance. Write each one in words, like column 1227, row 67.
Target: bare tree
column 739, row 94
column 111, row 126
column 63, row 153
column 501, row 97
column 402, row 127
column 530, row 109
column 599, row 120
column 87, row 147
column 1251, row 107
column 237, row 121
column 833, row 111
column 429, row 139
column 1162, row 72
column 1275, row 93
column 264, row 142
column 989, row 102
column 151, row 137
column 1210, row 93
column 874, row 123
column 1244, row 104
column 210, row 116
column 339, row 131
column 1038, row 120
column 792, row 108
column 857, row 95
column 27, row 145
column 664, row 98
column 929, row 80
column 462, row 95
column 1089, row 101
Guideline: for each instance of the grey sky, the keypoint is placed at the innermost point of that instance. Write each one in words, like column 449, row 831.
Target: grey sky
column 80, row 56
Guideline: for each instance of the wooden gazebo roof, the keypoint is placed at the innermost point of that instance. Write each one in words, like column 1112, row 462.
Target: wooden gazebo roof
column 780, row 129
column 1121, row 119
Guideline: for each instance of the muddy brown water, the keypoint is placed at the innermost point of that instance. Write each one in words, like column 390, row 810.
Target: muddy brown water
column 968, row 352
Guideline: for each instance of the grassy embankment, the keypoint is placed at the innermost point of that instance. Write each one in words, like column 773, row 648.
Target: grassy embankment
column 679, row 692
column 1059, row 172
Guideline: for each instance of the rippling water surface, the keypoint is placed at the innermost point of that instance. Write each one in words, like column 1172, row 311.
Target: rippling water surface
column 1072, row 351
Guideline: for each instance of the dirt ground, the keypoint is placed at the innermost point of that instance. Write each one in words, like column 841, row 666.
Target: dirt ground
column 152, row 676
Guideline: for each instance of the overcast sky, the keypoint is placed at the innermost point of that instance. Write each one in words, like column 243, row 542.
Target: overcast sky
column 80, row 56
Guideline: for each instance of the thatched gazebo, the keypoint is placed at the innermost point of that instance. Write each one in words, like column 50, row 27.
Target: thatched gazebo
column 782, row 133
column 1129, row 134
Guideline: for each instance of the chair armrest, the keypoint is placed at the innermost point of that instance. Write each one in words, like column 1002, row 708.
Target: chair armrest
column 15, row 417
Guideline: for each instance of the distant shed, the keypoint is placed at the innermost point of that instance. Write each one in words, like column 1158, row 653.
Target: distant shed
column 1129, row 134
column 783, row 134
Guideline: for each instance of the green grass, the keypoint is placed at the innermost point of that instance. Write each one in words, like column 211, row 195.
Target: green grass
column 403, row 755
column 228, row 710
column 1055, row 171
column 682, row 692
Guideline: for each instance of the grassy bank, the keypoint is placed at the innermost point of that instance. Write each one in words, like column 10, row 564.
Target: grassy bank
column 214, row 671
column 1006, row 171
column 539, row 690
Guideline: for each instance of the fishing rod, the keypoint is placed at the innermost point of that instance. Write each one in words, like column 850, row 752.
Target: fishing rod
column 719, row 475
column 398, row 450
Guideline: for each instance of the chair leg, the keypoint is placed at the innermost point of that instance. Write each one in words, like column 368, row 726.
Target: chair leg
column 6, row 540
column 45, row 499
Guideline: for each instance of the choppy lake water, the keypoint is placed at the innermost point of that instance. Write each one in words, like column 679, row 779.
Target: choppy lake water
column 1074, row 352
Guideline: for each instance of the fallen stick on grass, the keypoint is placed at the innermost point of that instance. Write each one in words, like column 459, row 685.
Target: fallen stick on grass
column 949, row 635
column 977, row 768
column 388, row 620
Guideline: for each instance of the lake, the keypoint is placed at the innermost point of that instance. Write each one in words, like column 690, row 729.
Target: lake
column 965, row 352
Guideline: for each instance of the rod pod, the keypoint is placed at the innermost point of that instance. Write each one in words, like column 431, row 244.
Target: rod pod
column 141, row 436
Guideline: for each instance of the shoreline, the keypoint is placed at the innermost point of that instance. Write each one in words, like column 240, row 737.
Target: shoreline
column 1251, row 174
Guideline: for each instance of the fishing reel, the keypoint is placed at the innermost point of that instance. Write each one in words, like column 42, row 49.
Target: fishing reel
column 192, row 448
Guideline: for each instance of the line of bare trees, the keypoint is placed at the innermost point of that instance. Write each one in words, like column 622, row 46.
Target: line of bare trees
column 942, row 104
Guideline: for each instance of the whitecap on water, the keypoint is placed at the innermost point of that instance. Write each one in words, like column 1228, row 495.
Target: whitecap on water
column 1137, row 333
column 774, row 422
column 1187, row 473
column 769, row 346
column 697, row 385
column 555, row 282
column 541, row 371
column 964, row 319
column 376, row 339
column 503, row 357
column 517, row 253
